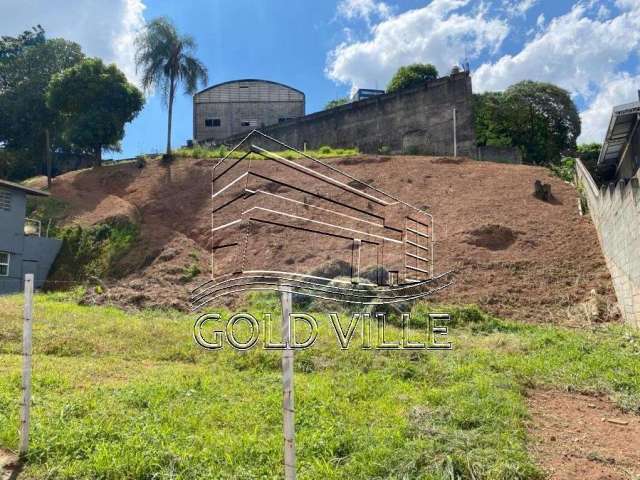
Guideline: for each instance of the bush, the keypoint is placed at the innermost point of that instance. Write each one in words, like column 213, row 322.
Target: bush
column 325, row 149
column 564, row 169
column 94, row 251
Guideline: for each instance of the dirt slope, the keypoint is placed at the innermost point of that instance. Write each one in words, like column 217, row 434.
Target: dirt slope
column 517, row 256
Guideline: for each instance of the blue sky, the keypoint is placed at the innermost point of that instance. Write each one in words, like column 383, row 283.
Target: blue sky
column 328, row 47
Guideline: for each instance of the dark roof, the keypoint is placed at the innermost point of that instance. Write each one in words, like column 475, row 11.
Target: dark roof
column 22, row 188
column 250, row 80
column 623, row 120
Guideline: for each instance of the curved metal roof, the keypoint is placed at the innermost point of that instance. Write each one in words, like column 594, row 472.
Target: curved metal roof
column 246, row 80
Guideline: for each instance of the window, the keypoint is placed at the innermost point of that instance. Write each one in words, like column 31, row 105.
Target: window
column 284, row 119
column 212, row 122
column 249, row 123
column 243, row 85
column 5, row 200
column 4, row 264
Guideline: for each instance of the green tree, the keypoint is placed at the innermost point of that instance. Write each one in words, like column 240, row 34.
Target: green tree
column 548, row 119
column 29, row 130
column 336, row 102
column 95, row 101
column 538, row 118
column 411, row 75
column 491, row 122
column 166, row 59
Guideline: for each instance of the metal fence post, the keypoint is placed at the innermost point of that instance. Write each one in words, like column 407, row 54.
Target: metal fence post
column 287, row 390
column 26, row 363
column 455, row 134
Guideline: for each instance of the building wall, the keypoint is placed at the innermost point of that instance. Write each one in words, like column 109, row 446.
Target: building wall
column 262, row 102
column 615, row 210
column 415, row 120
column 500, row 154
column 630, row 163
column 21, row 248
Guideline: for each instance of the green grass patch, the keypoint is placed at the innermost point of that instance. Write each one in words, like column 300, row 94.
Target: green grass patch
column 129, row 395
column 222, row 151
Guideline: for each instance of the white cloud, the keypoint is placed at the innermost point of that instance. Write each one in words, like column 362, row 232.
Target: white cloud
column 518, row 7
column 104, row 29
column 365, row 9
column 622, row 88
column 436, row 34
column 540, row 21
column 575, row 52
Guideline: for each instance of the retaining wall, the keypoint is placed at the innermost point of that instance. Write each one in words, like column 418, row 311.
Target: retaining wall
column 615, row 210
column 415, row 120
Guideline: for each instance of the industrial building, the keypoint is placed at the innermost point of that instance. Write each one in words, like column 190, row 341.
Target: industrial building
column 238, row 106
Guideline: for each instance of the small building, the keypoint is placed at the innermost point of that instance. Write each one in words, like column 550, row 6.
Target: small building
column 238, row 106
column 620, row 155
column 23, row 248
column 364, row 93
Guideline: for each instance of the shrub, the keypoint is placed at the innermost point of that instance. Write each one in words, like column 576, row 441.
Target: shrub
column 94, row 251
column 325, row 149
column 564, row 169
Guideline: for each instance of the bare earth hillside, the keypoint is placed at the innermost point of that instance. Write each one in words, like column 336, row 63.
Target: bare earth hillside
column 516, row 256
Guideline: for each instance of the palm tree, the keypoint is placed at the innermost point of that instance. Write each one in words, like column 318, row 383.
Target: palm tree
column 166, row 59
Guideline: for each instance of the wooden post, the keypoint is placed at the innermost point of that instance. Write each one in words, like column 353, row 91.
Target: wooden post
column 26, row 363
column 287, row 390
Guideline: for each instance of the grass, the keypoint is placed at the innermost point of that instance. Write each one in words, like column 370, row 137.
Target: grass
column 128, row 395
column 220, row 152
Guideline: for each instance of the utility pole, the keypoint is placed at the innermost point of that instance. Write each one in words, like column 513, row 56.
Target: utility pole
column 455, row 135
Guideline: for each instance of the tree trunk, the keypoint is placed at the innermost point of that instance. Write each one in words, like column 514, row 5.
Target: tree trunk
column 98, row 157
column 171, row 94
column 47, row 154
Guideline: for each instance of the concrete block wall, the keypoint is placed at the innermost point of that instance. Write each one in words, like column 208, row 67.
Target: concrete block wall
column 615, row 210
column 414, row 120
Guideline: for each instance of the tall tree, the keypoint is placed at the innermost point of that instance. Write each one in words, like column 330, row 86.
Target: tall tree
column 166, row 58
column 548, row 117
column 28, row 128
column 95, row 101
column 411, row 75
column 538, row 118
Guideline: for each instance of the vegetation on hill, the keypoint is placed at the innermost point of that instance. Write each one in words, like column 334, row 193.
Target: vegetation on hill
column 166, row 59
column 222, row 151
column 337, row 102
column 411, row 75
column 129, row 395
column 540, row 119
column 93, row 252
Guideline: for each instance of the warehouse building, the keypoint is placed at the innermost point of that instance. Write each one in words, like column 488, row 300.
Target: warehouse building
column 238, row 106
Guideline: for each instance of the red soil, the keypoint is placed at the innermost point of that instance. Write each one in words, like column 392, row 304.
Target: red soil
column 516, row 256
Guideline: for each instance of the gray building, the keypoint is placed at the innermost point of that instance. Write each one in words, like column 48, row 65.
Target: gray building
column 239, row 106
column 364, row 93
column 23, row 249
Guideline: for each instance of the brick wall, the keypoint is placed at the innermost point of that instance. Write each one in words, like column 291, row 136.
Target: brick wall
column 615, row 210
column 414, row 120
